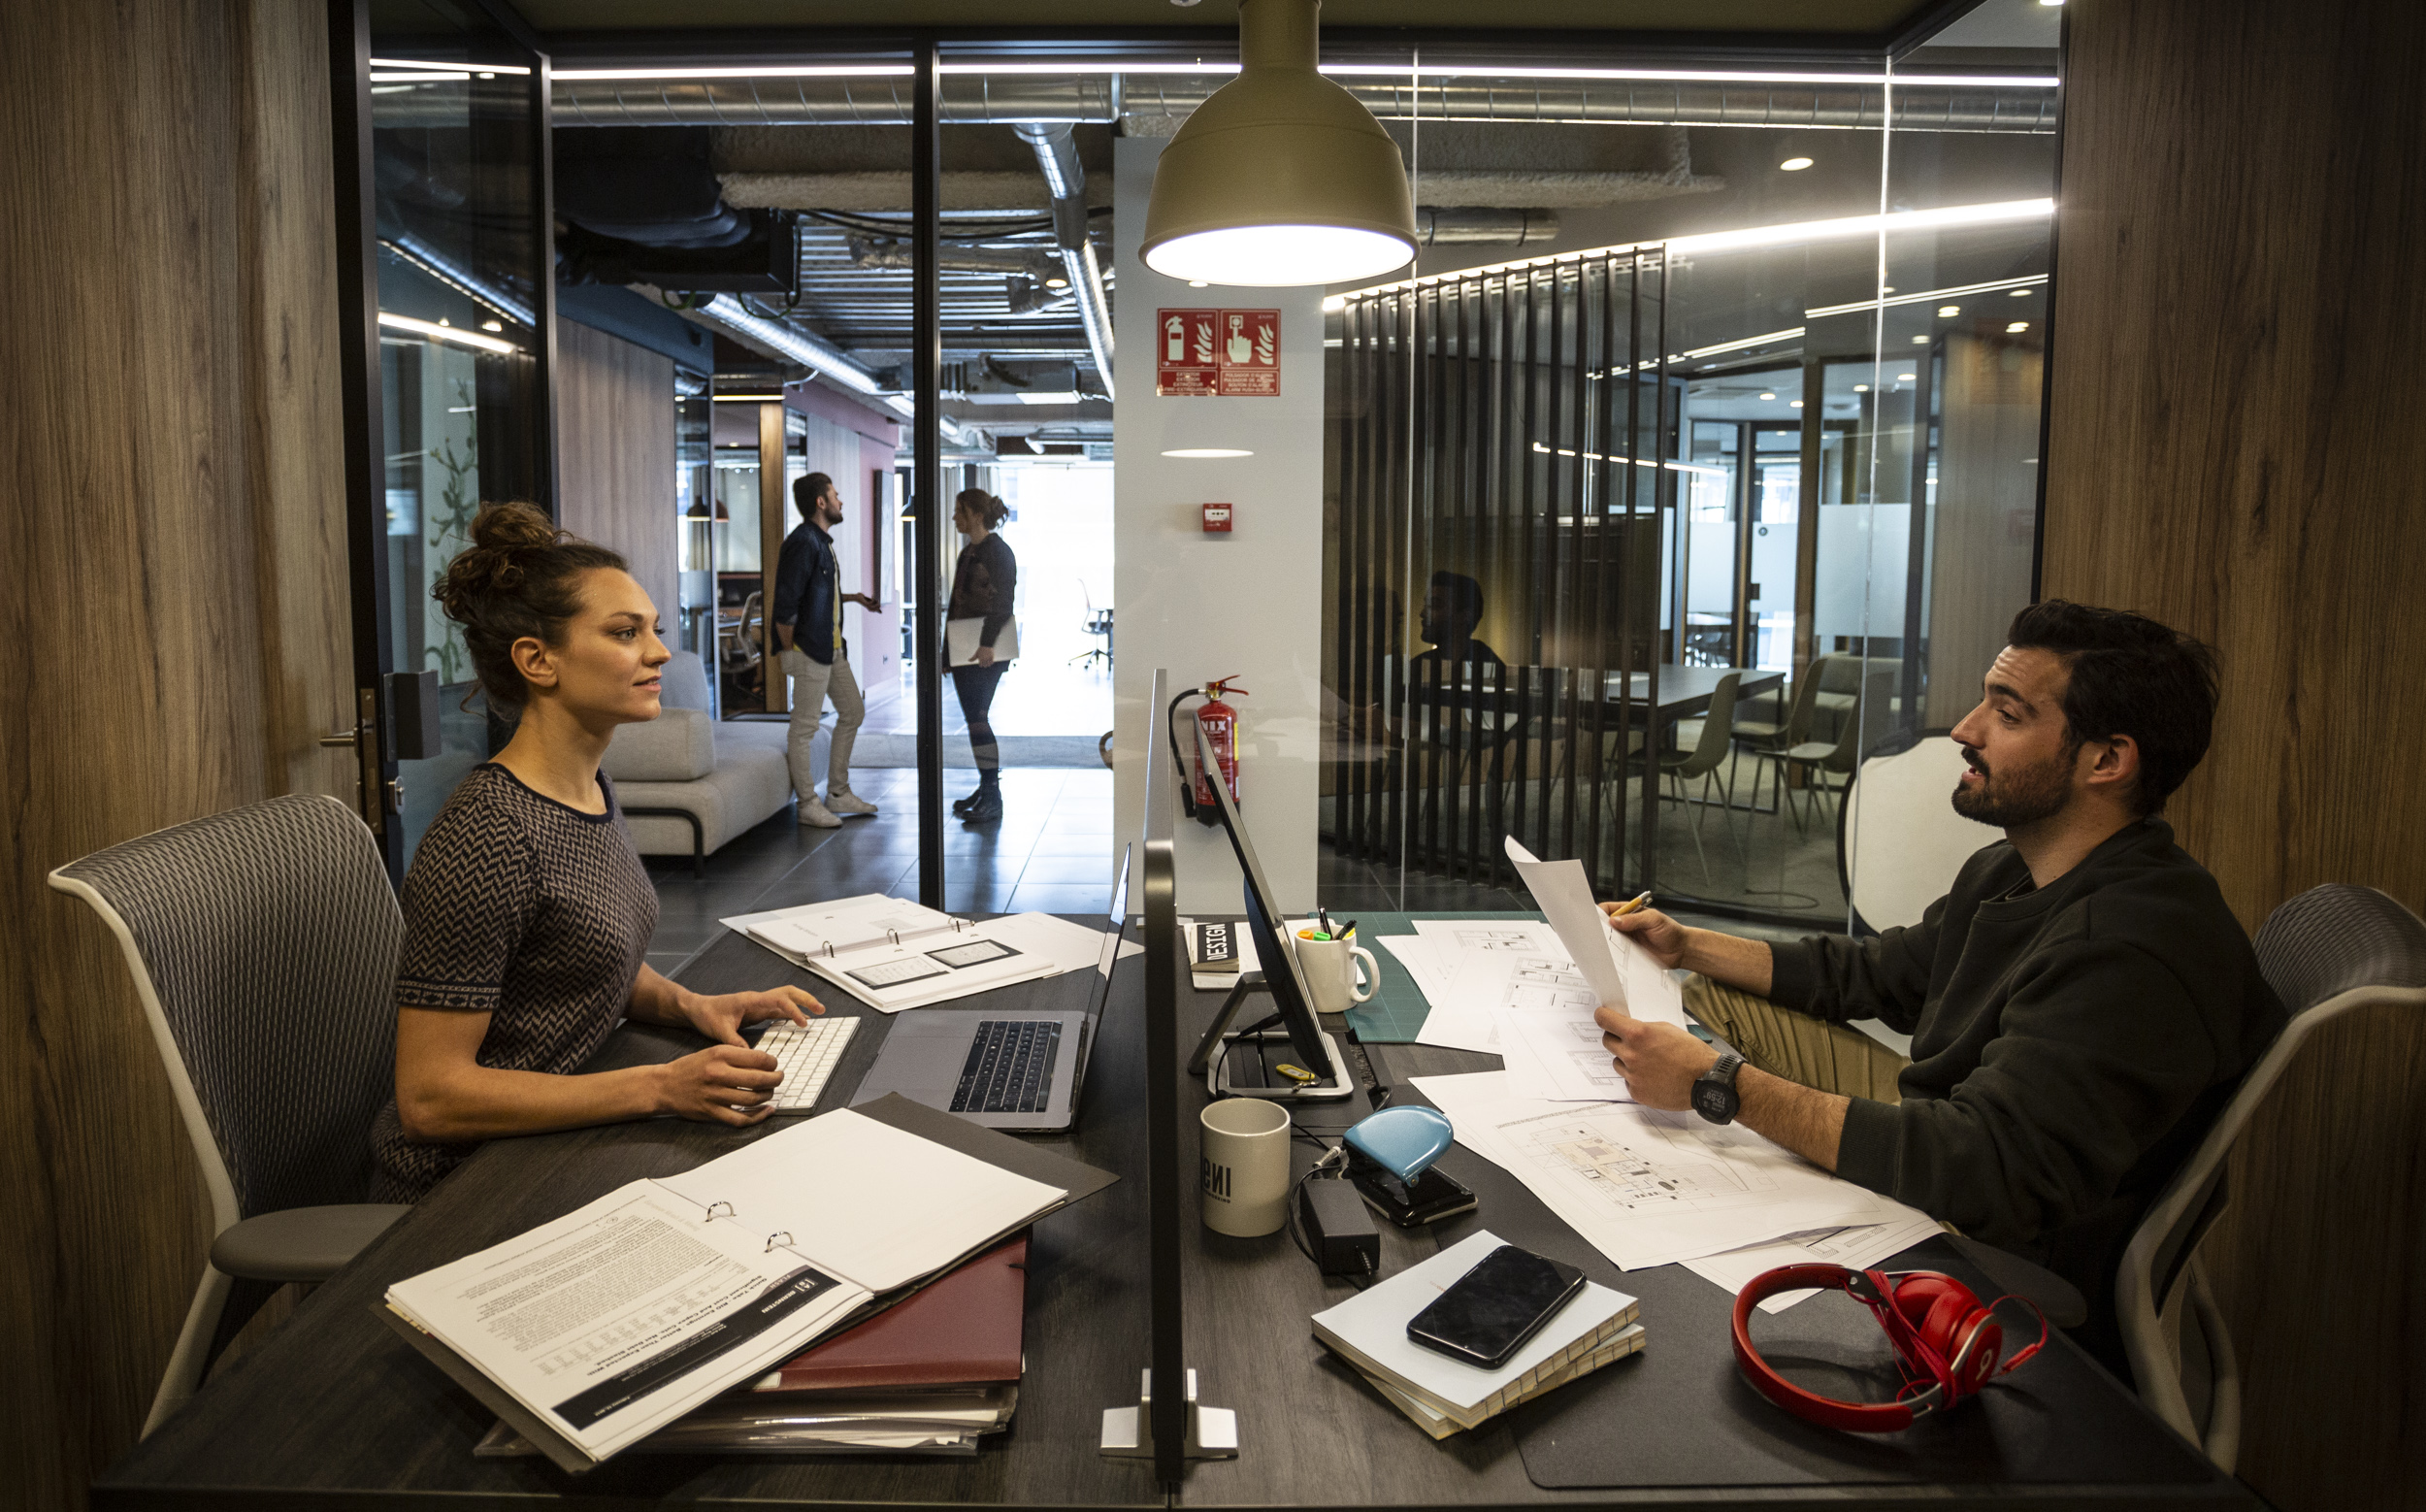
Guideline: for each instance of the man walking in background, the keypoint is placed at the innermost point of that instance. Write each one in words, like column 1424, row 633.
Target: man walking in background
column 808, row 621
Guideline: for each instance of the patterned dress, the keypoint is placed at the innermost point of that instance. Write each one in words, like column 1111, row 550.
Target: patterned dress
column 531, row 913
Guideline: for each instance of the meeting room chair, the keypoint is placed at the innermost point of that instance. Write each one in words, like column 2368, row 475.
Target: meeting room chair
column 2332, row 951
column 1710, row 751
column 1768, row 739
column 1820, row 760
column 263, row 944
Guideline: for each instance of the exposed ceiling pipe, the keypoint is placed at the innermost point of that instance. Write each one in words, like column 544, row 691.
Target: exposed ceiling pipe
column 1155, row 104
column 885, row 252
column 447, row 270
column 1057, row 158
column 1436, row 227
column 782, row 335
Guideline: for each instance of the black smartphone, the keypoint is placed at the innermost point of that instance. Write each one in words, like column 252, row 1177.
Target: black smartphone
column 1493, row 1308
column 1433, row 1195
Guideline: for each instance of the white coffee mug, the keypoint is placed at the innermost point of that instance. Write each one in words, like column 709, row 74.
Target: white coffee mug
column 1331, row 973
column 1246, row 1166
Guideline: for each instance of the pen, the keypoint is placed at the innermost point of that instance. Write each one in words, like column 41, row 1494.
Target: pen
column 1637, row 901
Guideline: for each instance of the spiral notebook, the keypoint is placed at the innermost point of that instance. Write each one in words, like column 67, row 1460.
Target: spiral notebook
column 591, row 1333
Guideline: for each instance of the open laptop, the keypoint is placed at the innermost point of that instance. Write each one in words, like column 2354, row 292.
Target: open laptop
column 1015, row 1070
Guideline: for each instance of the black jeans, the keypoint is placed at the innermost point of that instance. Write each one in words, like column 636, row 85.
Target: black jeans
column 975, row 685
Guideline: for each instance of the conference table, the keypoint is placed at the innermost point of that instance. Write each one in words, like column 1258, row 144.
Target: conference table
column 332, row 1406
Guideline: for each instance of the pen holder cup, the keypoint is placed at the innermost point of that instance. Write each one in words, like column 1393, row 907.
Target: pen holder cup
column 1331, row 975
column 1245, row 1159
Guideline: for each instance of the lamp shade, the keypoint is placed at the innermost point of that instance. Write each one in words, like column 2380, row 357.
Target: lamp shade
column 1281, row 176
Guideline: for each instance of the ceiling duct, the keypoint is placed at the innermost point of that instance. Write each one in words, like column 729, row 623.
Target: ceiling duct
column 1444, row 227
column 1155, row 104
column 1065, row 179
column 1035, row 263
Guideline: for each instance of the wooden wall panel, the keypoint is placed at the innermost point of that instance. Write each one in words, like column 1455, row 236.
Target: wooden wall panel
column 615, row 454
column 2233, row 436
column 1986, row 504
column 2233, row 446
column 172, row 554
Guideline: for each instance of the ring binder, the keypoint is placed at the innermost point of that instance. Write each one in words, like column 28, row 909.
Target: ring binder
column 728, row 1212
column 785, row 1234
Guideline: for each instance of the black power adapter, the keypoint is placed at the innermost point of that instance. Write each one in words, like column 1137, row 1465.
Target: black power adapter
column 1338, row 1228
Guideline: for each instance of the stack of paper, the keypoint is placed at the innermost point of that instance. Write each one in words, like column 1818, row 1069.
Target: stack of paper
column 1652, row 1188
column 591, row 1333
column 1445, row 1396
column 931, row 1375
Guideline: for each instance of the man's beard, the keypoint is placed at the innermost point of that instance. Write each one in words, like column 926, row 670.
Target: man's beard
column 2023, row 795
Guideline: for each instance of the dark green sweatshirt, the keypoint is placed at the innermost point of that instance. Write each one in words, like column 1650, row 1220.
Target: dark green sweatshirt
column 2070, row 1044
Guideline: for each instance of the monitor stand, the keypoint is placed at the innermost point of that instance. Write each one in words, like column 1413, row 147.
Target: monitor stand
column 1212, row 1058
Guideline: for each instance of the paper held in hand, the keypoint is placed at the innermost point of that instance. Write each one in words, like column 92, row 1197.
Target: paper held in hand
column 1621, row 972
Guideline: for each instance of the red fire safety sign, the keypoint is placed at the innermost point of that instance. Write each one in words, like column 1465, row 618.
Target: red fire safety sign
column 1202, row 353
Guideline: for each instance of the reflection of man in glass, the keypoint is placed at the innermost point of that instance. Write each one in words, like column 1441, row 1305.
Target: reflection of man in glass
column 1451, row 610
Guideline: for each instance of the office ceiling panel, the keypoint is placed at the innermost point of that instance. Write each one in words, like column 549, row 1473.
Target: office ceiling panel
column 1855, row 18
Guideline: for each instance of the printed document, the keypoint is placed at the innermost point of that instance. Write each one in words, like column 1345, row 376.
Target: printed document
column 1855, row 1249
column 620, row 1317
column 1647, row 1187
column 1622, row 973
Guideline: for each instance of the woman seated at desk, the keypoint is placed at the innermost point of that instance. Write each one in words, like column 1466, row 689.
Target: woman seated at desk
column 526, row 909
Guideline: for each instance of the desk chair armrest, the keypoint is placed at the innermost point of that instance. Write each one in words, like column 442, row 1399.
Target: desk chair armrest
column 301, row 1243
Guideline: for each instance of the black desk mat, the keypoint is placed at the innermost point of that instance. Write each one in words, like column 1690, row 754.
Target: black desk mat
column 1679, row 1414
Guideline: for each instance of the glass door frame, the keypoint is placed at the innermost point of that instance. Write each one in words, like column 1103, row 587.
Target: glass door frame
column 381, row 696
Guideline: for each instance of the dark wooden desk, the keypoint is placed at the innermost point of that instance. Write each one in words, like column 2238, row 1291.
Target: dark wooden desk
column 332, row 1406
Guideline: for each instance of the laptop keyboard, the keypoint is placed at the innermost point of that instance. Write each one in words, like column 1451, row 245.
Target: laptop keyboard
column 1009, row 1067
column 807, row 1054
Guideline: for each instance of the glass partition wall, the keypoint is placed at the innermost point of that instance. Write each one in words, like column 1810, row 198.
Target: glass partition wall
column 1653, row 511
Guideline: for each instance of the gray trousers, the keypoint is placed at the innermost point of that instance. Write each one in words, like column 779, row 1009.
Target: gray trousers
column 811, row 685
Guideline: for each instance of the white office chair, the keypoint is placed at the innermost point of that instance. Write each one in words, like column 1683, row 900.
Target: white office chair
column 1899, row 842
column 2332, row 951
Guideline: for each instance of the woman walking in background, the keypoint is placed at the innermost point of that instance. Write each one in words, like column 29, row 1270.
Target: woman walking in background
column 982, row 588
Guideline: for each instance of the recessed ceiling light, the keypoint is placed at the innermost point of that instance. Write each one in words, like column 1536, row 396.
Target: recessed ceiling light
column 1949, row 312
column 2051, row 3
column 1768, row 396
column 1903, row 377
column 1795, row 164
column 1887, row 289
column 2018, row 325
column 1207, row 451
column 2021, row 294
column 492, row 325
column 1795, row 404
column 1057, row 283
column 1861, row 388
column 1197, row 283
column 1921, row 340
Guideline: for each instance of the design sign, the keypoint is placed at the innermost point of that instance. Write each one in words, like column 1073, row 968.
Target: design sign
column 1206, row 353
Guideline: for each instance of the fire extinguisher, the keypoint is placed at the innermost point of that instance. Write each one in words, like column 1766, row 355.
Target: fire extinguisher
column 1218, row 723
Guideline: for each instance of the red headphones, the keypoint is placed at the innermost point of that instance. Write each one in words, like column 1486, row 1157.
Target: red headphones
column 1947, row 1343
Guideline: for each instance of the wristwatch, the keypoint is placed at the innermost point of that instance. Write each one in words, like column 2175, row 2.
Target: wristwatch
column 1713, row 1090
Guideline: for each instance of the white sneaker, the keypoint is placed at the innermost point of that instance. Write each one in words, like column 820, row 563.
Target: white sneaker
column 817, row 817
column 847, row 802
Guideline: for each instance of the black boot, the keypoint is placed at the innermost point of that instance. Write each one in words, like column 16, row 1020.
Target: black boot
column 985, row 806
column 961, row 806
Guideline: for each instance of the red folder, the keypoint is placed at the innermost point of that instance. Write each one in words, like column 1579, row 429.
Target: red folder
column 962, row 1329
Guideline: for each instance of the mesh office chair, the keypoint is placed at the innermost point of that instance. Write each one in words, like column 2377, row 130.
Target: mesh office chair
column 2331, row 951
column 263, row 943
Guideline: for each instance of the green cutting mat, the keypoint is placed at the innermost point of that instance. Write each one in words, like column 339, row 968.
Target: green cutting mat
column 1396, row 1013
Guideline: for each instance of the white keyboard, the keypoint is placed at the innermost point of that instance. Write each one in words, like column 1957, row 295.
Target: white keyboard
column 807, row 1054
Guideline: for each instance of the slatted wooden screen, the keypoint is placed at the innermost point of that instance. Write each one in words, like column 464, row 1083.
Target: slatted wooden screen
column 1512, row 425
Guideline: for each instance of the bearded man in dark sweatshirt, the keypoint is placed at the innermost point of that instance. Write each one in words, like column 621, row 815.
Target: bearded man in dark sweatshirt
column 2082, row 1004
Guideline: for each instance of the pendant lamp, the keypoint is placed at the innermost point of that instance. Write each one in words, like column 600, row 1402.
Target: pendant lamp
column 1281, row 176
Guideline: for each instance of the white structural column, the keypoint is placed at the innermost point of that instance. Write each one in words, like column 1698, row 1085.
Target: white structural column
column 1205, row 606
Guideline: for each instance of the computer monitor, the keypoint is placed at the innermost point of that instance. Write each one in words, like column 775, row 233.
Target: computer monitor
column 1267, row 927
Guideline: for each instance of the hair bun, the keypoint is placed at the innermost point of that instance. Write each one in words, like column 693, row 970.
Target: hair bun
column 513, row 526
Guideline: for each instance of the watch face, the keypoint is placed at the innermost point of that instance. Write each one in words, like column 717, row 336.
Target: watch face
column 1713, row 1103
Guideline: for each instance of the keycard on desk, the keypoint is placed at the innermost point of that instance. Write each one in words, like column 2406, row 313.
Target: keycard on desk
column 1488, row 1313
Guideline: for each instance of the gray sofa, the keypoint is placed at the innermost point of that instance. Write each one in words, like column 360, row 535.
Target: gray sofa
column 689, row 784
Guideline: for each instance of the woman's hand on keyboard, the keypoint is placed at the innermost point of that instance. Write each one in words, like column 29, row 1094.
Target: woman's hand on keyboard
column 720, row 1018
column 724, row 1084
